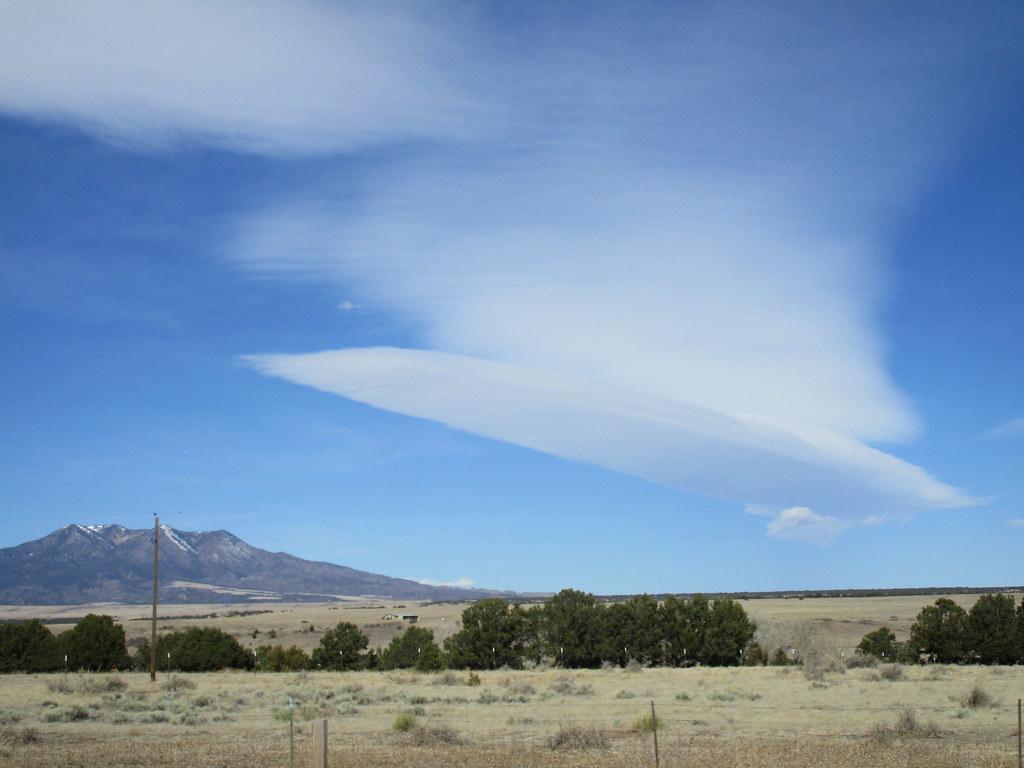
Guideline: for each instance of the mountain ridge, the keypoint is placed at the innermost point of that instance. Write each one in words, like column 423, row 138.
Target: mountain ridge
column 80, row 564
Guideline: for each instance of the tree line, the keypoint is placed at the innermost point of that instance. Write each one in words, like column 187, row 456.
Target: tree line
column 991, row 632
column 573, row 629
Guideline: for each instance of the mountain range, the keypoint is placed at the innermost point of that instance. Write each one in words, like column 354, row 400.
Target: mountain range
column 110, row 563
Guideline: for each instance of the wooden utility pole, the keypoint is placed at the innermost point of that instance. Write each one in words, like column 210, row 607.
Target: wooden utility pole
column 152, row 636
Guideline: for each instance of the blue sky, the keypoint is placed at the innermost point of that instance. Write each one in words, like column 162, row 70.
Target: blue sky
column 627, row 298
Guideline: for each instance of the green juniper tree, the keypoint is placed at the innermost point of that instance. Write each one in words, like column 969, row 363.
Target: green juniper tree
column 413, row 649
column 96, row 644
column 880, row 643
column 341, row 648
column 494, row 634
column 991, row 630
column 940, row 632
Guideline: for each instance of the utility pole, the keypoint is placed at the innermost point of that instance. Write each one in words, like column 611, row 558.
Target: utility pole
column 156, row 560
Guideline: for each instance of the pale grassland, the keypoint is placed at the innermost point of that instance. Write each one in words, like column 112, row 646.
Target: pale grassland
column 755, row 716
column 711, row 717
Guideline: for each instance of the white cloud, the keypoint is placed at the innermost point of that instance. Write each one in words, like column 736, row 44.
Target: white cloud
column 1008, row 429
column 268, row 77
column 463, row 582
column 666, row 259
column 747, row 458
column 802, row 524
column 680, row 281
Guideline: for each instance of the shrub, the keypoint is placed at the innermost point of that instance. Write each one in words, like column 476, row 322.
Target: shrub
column 573, row 737
column 891, row 672
column 977, row 698
column 440, row 734
column 906, row 726
column 860, row 661
column 177, row 683
column 103, row 684
column 9, row 717
column 756, row 655
column 22, row 736
column 404, row 723
column 817, row 665
column 61, row 685
column 446, row 678
column 647, row 723
column 473, row 679
column 521, row 689
column 276, row 658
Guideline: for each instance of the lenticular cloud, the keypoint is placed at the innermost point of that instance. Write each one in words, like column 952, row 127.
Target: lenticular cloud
column 684, row 446
column 670, row 268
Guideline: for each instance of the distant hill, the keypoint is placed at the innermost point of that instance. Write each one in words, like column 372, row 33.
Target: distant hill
column 110, row 563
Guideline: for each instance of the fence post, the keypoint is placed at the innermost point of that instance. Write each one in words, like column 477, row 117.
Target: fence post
column 291, row 733
column 654, row 729
column 1020, row 755
column 319, row 744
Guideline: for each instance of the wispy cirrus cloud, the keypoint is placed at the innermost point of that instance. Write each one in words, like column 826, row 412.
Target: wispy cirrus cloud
column 1008, row 429
column 277, row 78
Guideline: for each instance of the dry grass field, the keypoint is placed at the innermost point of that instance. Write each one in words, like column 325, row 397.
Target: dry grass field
column 932, row 716
column 754, row 716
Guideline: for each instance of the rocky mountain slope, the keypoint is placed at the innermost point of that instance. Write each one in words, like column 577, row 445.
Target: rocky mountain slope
column 110, row 563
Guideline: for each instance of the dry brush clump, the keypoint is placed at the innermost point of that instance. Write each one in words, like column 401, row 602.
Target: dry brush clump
column 646, row 723
column 891, row 672
column 818, row 664
column 446, row 678
column 176, row 683
column 977, row 697
column 565, row 686
column 861, row 661
column 570, row 736
column 16, row 736
column 906, row 726
column 436, row 735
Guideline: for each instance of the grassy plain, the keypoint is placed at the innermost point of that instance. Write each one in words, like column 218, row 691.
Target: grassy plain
column 768, row 716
